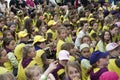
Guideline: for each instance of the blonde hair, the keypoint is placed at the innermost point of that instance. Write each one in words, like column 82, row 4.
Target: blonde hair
column 30, row 72
column 26, row 50
column 72, row 64
column 61, row 28
column 7, row 76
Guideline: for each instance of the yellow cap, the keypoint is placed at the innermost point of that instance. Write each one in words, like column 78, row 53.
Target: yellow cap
column 52, row 23
column 83, row 19
column 91, row 19
column 22, row 34
column 100, row 9
column 39, row 38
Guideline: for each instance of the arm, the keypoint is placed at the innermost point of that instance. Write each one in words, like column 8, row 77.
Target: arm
column 12, row 59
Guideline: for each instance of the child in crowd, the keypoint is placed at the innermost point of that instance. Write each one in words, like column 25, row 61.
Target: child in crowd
column 23, row 37
column 61, row 38
column 99, row 61
column 7, row 76
column 59, row 72
column 36, row 73
column 84, row 60
column 113, row 49
column 84, row 31
column 12, row 63
column 73, row 71
column 70, row 48
column 28, row 53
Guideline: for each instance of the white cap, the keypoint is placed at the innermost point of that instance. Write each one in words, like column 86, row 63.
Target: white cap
column 84, row 45
column 63, row 55
column 111, row 46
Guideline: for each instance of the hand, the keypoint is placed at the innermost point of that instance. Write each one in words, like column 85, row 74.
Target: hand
column 53, row 65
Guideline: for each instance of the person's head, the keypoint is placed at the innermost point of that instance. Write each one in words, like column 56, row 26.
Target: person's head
column 84, row 25
column 12, row 26
column 7, row 34
column 23, row 36
column 3, row 53
column 85, row 50
column 95, row 26
column 113, row 48
column 106, row 36
column 9, row 43
column 62, row 32
column 69, row 47
column 43, row 29
column 2, row 23
column 39, row 41
column 99, row 58
column 114, row 29
column 52, row 24
column 7, row 76
column 109, row 75
column 28, row 51
column 73, row 70
column 11, row 14
column 33, row 73
column 86, row 39
column 63, row 57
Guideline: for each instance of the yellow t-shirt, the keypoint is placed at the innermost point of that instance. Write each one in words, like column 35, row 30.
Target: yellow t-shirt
column 21, row 70
column 54, row 34
column 59, row 44
column 113, row 67
column 91, row 33
column 105, row 28
column 38, row 58
column 3, row 70
column 69, row 39
column 18, row 51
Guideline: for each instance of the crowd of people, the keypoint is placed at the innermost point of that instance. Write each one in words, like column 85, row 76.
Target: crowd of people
column 60, row 40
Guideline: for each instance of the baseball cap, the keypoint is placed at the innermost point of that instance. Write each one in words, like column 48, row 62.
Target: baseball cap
column 63, row 55
column 22, row 34
column 109, row 75
column 52, row 23
column 84, row 45
column 39, row 38
column 111, row 46
column 96, row 55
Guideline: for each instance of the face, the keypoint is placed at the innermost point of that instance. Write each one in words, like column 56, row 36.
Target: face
column 63, row 34
column 11, row 45
column 43, row 45
column 26, row 38
column 63, row 62
column 36, row 74
column 103, row 62
column 8, row 20
column 86, row 26
column 95, row 26
column 13, row 28
column 1, row 24
column 43, row 29
column 85, row 52
column 86, row 40
column 107, row 36
column 11, row 14
column 73, row 73
column 32, row 52
column 114, row 31
column 9, row 35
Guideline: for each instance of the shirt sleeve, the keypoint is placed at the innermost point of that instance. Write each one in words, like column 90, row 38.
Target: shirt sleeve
column 12, row 59
column 85, row 63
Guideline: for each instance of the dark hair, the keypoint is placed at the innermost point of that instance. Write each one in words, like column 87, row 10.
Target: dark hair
column 6, row 41
column 38, row 23
column 67, row 46
column 113, row 26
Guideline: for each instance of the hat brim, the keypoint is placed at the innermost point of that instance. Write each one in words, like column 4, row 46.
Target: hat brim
column 42, row 40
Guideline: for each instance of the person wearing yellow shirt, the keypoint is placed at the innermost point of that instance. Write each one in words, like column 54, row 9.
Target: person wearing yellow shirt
column 84, row 60
column 114, row 32
column 23, row 36
column 28, row 54
column 61, row 38
column 94, row 30
column 51, row 34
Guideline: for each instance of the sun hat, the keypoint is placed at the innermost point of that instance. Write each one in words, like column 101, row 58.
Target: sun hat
column 38, row 38
column 52, row 23
column 22, row 34
column 111, row 46
column 84, row 45
column 109, row 75
column 96, row 55
column 63, row 55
